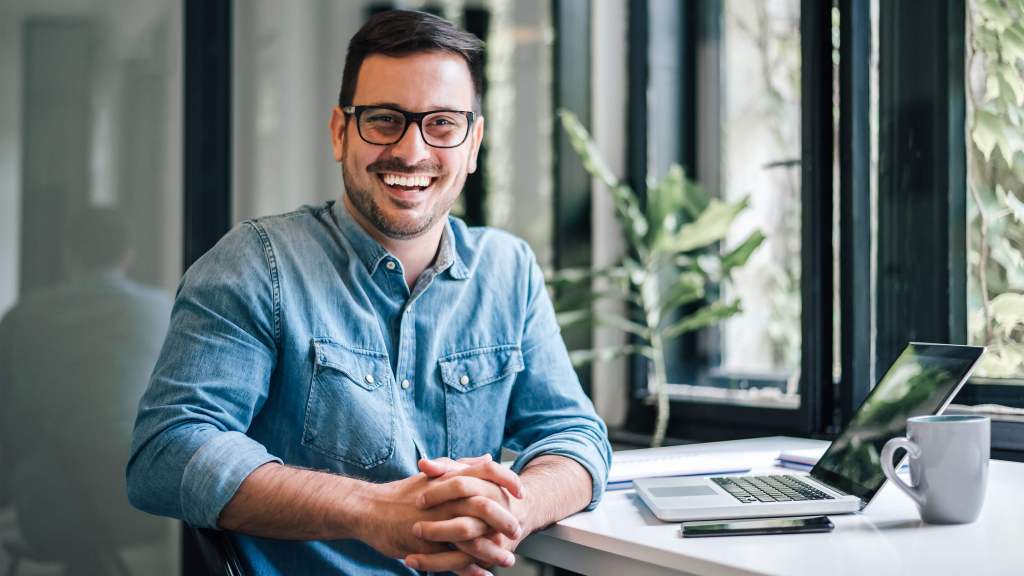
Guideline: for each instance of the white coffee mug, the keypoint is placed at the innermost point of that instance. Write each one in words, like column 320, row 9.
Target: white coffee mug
column 948, row 466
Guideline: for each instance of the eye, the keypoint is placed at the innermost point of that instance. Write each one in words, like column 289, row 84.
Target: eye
column 444, row 121
column 382, row 118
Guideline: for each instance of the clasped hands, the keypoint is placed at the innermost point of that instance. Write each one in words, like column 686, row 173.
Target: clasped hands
column 461, row 516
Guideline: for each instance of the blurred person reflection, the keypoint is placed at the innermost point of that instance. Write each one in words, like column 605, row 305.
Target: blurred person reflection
column 74, row 360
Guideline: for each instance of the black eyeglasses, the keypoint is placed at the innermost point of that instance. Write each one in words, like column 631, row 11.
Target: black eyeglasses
column 384, row 126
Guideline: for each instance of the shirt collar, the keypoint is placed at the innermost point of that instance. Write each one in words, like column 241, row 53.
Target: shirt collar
column 371, row 253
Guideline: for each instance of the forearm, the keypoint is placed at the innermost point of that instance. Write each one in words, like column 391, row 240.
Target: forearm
column 555, row 487
column 283, row 502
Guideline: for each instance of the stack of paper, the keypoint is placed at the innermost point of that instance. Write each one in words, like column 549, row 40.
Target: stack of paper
column 800, row 459
column 630, row 465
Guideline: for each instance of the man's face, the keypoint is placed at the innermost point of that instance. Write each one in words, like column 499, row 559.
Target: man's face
column 415, row 83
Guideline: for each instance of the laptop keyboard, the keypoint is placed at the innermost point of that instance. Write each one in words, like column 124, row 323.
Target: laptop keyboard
column 775, row 488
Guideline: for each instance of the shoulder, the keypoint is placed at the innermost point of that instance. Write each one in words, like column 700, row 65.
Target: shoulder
column 251, row 245
column 492, row 250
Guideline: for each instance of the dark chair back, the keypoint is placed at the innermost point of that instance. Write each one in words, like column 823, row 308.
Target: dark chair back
column 217, row 551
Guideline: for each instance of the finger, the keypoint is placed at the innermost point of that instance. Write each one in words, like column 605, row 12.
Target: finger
column 486, row 551
column 495, row 515
column 493, row 472
column 439, row 466
column 473, row 570
column 457, row 488
column 440, row 561
column 454, row 530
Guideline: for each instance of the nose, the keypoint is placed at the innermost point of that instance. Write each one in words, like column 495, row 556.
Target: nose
column 412, row 149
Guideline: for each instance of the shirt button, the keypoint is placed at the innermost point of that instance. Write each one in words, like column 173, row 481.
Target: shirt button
column 369, row 378
column 390, row 264
column 464, row 380
column 405, row 384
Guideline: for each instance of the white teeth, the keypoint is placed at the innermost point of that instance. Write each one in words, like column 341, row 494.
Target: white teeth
column 407, row 181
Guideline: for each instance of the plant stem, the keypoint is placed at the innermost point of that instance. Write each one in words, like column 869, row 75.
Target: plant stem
column 983, row 261
column 661, row 389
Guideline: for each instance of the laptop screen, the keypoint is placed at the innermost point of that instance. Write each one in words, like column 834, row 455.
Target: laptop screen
column 921, row 381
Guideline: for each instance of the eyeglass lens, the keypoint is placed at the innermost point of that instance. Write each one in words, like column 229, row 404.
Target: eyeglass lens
column 386, row 126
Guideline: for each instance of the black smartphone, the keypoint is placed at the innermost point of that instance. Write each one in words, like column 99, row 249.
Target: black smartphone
column 793, row 525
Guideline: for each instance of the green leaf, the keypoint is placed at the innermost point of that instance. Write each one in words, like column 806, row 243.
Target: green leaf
column 994, row 15
column 1012, row 45
column 580, row 358
column 689, row 287
column 626, row 204
column 991, row 88
column 626, row 325
column 739, row 255
column 706, row 316
column 664, row 204
column 588, row 316
column 574, row 317
column 570, row 277
column 986, row 132
column 1011, row 77
column 1010, row 201
column 586, row 299
column 1007, row 310
column 587, row 149
column 712, row 226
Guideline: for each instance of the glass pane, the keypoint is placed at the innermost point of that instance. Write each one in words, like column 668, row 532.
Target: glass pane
column 90, row 254
column 287, row 71
column 995, row 168
column 749, row 103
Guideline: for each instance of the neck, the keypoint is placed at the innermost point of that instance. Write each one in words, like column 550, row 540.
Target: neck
column 415, row 254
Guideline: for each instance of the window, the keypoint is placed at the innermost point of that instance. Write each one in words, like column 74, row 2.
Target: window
column 995, row 170
column 755, row 88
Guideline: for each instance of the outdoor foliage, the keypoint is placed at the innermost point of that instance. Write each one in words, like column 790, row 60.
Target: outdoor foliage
column 673, row 259
column 996, row 184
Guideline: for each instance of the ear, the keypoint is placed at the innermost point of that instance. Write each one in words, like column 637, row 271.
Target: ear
column 476, row 138
column 337, row 124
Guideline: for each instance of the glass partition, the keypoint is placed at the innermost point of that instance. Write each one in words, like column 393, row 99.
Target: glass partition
column 90, row 254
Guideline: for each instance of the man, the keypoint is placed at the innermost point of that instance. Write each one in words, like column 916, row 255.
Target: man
column 74, row 357
column 336, row 381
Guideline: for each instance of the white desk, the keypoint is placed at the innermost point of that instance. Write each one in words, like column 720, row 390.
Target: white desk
column 622, row 537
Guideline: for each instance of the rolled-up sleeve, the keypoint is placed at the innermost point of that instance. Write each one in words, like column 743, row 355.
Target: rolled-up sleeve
column 548, row 412
column 189, row 449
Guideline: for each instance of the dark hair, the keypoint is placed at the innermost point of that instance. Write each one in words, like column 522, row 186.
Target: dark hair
column 405, row 32
column 97, row 237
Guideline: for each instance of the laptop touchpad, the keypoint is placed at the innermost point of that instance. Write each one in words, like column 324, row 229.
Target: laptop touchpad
column 682, row 491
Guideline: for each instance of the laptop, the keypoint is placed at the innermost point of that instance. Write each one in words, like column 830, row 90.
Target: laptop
column 923, row 380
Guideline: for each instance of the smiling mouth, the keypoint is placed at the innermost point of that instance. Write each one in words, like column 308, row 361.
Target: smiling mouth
column 405, row 183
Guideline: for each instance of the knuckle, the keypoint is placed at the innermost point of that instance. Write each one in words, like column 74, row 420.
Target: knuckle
column 480, row 504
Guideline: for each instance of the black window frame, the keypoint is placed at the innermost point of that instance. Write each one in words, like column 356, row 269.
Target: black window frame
column 919, row 295
column 698, row 420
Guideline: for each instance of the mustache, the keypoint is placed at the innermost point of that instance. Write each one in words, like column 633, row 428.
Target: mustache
column 396, row 166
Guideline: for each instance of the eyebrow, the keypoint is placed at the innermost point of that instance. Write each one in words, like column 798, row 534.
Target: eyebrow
column 395, row 105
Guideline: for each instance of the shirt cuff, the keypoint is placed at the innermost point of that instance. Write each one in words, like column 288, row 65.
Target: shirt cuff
column 588, row 456
column 214, row 473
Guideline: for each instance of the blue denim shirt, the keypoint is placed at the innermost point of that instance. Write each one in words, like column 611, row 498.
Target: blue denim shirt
column 296, row 339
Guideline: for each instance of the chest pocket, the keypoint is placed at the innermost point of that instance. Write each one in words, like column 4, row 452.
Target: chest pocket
column 478, row 384
column 350, row 413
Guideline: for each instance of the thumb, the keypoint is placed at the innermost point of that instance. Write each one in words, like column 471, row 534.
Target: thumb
column 438, row 466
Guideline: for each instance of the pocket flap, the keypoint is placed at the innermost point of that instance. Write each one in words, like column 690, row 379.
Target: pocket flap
column 471, row 369
column 366, row 368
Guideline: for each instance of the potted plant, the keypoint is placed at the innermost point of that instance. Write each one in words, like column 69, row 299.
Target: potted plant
column 672, row 258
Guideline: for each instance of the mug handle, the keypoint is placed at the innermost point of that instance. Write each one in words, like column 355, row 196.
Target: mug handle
column 887, row 468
